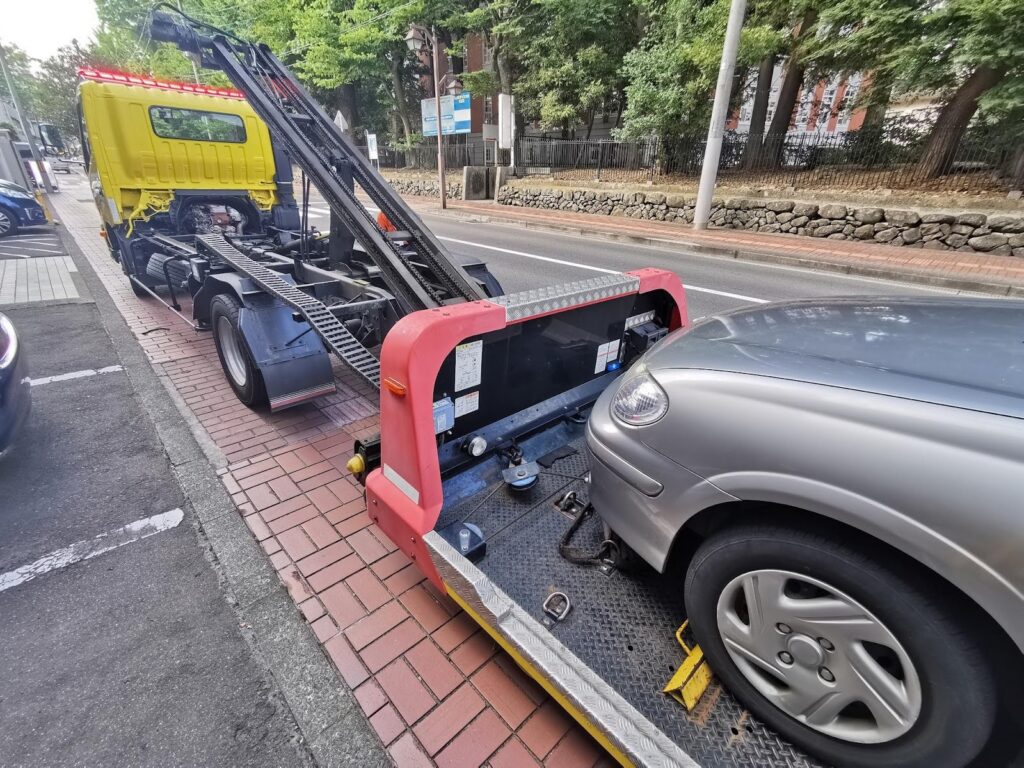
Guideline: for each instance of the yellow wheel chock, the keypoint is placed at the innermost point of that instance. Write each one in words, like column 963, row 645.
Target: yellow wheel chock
column 693, row 676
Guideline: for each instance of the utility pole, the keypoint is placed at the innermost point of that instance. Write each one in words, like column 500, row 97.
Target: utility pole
column 713, row 150
column 437, row 105
column 25, row 127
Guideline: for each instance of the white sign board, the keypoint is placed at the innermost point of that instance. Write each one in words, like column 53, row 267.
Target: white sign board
column 371, row 146
column 506, row 120
column 455, row 115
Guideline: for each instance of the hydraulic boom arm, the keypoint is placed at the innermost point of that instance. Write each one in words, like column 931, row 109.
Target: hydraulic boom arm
column 421, row 273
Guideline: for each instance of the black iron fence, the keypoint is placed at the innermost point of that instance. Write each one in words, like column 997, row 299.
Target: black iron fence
column 978, row 161
column 457, row 154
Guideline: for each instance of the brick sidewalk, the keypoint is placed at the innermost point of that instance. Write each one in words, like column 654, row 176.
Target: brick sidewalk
column 434, row 686
column 1003, row 275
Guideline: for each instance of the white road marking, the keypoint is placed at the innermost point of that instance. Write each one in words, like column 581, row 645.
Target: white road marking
column 75, row 375
column 689, row 287
column 321, row 211
column 49, row 251
column 90, row 548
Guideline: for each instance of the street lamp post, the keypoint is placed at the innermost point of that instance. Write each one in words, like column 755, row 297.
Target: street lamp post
column 415, row 39
column 436, row 60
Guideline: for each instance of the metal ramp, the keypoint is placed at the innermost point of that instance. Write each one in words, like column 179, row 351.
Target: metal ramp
column 421, row 274
column 332, row 331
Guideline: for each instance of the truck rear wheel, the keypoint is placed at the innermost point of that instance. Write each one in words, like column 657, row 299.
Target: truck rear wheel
column 850, row 656
column 235, row 358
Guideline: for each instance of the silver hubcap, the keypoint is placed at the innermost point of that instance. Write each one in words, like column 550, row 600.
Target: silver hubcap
column 232, row 352
column 5, row 223
column 819, row 656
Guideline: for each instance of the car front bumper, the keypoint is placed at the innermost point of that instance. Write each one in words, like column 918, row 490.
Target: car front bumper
column 643, row 496
column 15, row 400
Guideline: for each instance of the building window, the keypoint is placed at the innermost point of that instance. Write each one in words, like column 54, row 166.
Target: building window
column 488, row 109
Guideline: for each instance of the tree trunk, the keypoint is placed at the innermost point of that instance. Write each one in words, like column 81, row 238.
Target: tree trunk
column 952, row 122
column 878, row 97
column 348, row 103
column 398, row 85
column 759, row 112
column 775, row 139
column 590, row 124
column 1012, row 168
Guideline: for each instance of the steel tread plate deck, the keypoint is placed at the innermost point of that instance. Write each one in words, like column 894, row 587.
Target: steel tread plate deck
column 634, row 735
column 332, row 331
column 621, row 626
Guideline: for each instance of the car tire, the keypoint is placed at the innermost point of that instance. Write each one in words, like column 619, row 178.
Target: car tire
column 8, row 223
column 235, row 357
column 947, row 668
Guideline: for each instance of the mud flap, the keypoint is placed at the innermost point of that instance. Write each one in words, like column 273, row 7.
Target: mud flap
column 294, row 363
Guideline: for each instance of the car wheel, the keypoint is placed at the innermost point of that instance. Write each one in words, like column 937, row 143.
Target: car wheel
column 235, row 358
column 850, row 656
column 8, row 223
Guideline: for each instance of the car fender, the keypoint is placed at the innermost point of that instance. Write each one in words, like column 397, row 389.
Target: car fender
column 936, row 552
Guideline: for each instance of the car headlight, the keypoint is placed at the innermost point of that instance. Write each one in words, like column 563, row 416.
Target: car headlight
column 18, row 194
column 640, row 401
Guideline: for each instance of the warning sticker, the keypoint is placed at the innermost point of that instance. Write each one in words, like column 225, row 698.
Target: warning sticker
column 606, row 353
column 468, row 358
column 467, row 404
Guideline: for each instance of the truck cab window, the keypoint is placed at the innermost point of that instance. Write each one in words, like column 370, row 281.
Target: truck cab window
column 196, row 125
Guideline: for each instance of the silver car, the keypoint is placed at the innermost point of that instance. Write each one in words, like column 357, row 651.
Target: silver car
column 846, row 478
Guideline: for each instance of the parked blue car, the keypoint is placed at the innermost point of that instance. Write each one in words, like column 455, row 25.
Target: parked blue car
column 15, row 395
column 18, row 208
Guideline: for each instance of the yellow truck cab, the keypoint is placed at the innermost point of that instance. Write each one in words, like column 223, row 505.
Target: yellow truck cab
column 177, row 159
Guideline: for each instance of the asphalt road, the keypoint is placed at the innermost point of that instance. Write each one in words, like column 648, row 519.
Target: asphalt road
column 528, row 258
column 133, row 657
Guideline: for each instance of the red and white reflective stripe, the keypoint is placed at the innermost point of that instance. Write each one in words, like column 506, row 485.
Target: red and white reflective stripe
column 107, row 76
column 284, row 401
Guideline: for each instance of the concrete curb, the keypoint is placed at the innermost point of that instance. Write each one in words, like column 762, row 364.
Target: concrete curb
column 745, row 254
column 334, row 731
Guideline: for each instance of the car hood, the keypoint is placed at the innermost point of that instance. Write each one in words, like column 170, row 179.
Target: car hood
column 961, row 352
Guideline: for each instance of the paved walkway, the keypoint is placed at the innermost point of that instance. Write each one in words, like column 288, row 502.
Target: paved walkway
column 1002, row 275
column 435, row 687
column 34, row 267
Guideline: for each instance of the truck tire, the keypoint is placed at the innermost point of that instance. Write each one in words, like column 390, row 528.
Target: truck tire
column 855, row 658
column 235, row 358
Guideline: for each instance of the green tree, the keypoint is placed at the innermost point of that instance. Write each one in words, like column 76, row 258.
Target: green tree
column 573, row 59
column 671, row 74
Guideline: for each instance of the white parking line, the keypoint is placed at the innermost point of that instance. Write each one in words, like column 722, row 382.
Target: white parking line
column 75, row 375
column 90, row 548
column 689, row 287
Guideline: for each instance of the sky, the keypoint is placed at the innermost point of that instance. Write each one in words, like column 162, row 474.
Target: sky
column 40, row 27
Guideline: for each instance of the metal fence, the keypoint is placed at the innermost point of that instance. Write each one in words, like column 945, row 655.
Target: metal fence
column 980, row 161
column 457, row 154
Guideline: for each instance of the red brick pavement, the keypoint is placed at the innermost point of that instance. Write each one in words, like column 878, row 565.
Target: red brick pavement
column 434, row 686
column 1001, row 272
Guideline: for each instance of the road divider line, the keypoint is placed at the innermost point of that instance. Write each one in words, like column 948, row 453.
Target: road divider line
column 90, row 548
column 75, row 375
column 564, row 262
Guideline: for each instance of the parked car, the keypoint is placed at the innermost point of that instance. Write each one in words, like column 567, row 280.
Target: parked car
column 15, row 395
column 850, row 474
column 18, row 208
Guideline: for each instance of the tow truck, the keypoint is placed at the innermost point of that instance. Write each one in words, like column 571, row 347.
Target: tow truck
column 197, row 198
column 480, row 475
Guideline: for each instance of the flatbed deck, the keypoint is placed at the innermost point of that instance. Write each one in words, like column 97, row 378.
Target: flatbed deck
column 619, row 625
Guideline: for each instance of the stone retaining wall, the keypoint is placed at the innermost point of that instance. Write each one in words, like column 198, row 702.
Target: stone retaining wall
column 425, row 187
column 997, row 234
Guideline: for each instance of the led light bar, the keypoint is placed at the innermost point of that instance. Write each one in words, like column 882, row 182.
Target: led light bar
column 106, row 76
